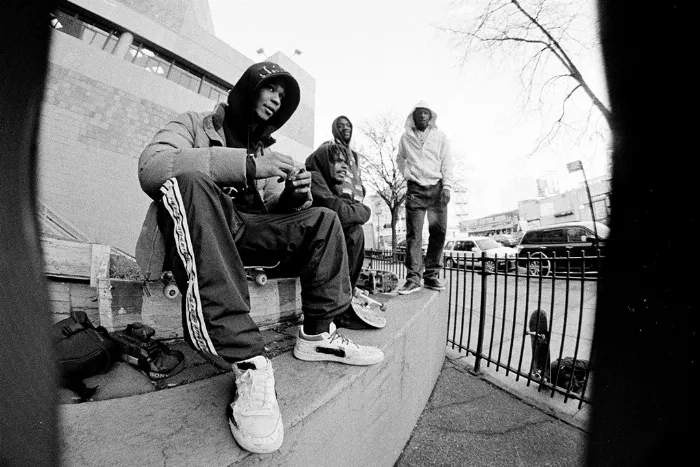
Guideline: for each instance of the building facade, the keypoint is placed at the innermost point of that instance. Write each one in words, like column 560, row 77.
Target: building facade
column 118, row 71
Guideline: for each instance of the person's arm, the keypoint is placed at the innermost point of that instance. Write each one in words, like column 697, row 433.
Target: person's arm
column 172, row 153
column 349, row 212
column 446, row 168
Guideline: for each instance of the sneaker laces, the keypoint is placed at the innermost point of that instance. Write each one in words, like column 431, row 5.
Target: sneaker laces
column 336, row 336
column 259, row 390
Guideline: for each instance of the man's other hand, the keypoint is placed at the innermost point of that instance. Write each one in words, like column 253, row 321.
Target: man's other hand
column 298, row 184
column 445, row 196
column 273, row 164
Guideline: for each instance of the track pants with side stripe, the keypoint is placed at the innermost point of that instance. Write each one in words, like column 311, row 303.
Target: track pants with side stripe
column 208, row 241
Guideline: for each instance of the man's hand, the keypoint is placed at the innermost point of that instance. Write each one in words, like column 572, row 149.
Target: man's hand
column 273, row 164
column 445, row 196
column 298, row 184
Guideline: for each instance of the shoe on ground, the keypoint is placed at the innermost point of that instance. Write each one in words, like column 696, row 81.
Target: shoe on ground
column 333, row 346
column 254, row 415
column 409, row 287
column 433, row 283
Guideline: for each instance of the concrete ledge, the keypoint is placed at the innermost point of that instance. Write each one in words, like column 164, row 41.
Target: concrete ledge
column 334, row 415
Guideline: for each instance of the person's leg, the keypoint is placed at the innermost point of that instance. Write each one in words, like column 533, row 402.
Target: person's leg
column 437, row 228
column 355, row 242
column 415, row 217
column 311, row 245
column 200, row 227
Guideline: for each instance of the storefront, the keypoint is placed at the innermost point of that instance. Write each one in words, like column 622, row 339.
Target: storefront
column 502, row 223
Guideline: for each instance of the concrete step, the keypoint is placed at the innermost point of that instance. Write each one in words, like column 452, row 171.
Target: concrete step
column 334, row 414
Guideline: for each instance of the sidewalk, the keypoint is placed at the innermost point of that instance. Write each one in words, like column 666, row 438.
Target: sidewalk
column 471, row 422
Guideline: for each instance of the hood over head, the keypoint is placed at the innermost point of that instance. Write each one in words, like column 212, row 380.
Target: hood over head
column 322, row 160
column 241, row 102
column 411, row 125
column 336, row 134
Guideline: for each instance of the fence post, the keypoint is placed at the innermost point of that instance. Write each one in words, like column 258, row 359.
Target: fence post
column 482, row 315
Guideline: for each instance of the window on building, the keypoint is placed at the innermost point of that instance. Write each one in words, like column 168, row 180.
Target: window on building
column 97, row 33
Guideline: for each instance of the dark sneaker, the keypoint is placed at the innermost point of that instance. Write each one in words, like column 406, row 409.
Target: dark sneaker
column 334, row 347
column 433, row 283
column 254, row 415
column 409, row 287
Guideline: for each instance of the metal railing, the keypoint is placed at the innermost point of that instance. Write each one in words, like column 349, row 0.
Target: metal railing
column 530, row 318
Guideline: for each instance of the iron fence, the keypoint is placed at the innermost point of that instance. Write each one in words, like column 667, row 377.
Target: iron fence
column 526, row 318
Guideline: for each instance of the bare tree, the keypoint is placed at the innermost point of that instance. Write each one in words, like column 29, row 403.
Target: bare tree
column 381, row 136
column 543, row 33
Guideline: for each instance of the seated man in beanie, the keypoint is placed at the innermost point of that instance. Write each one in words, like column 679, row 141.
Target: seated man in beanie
column 223, row 198
column 337, row 185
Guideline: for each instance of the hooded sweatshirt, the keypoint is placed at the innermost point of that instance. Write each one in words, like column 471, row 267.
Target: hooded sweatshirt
column 425, row 160
column 344, row 198
column 217, row 143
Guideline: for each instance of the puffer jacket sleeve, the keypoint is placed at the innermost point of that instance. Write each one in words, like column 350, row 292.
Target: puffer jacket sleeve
column 182, row 147
column 349, row 212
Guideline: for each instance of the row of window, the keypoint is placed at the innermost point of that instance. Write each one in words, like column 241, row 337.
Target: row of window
column 105, row 38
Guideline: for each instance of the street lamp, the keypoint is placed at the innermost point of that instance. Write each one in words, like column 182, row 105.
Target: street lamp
column 575, row 166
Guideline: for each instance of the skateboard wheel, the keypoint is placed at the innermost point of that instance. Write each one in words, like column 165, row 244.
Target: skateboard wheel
column 171, row 291
column 261, row 279
column 383, row 307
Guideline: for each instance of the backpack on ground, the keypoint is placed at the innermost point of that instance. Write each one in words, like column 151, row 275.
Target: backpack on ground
column 568, row 375
column 82, row 350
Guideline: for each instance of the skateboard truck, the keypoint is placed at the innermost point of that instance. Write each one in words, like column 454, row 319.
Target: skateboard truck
column 170, row 289
column 368, row 301
column 258, row 274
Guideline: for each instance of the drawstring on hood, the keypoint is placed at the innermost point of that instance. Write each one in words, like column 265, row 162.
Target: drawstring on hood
column 238, row 123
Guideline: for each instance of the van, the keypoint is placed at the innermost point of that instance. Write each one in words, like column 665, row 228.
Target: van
column 547, row 248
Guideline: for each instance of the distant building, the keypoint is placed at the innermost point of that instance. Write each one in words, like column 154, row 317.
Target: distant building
column 501, row 223
column 569, row 206
column 118, row 71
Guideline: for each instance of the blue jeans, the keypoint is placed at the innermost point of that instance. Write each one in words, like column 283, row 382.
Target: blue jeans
column 419, row 200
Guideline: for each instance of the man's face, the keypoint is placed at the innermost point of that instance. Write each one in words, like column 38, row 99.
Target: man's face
column 421, row 117
column 269, row 99
column 339, row 169
column 344, row 129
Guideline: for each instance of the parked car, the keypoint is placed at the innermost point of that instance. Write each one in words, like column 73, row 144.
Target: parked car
column 401, row 247
column 505, row 240
column 469, row 250
column 575, row 238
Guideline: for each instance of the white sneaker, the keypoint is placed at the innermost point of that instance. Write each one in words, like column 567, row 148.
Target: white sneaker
column 334, row 347
column 254, row 415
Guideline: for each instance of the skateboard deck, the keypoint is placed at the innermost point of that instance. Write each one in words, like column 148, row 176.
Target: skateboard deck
column 258, row 274
column 369, row 315
column 539, row 334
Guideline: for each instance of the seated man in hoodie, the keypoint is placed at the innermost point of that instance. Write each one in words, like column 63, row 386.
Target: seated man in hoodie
column 223, row 198
column 336, row 185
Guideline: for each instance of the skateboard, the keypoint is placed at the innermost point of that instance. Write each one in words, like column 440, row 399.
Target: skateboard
column 368, row 314
column 377, row 280
column 170, row 289
column 539, row 334
column 258, row 274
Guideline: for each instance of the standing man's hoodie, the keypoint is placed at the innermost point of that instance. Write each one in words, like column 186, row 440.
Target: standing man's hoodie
column 425, row 158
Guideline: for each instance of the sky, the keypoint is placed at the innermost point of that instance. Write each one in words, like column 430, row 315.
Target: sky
column 372, row 57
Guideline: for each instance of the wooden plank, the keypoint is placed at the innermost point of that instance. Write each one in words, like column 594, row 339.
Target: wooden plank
column 99, row 263
column 122, row 302
column 64, row 258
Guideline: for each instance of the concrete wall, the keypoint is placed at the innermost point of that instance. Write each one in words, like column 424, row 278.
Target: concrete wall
column 100, row 111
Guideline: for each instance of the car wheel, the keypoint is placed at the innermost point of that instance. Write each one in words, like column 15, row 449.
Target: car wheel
column 538, row 266
column 490, row 266
column 449, row 263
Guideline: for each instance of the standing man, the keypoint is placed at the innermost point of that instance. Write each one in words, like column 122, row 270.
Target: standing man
column 222, row 199
column 425, row 160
